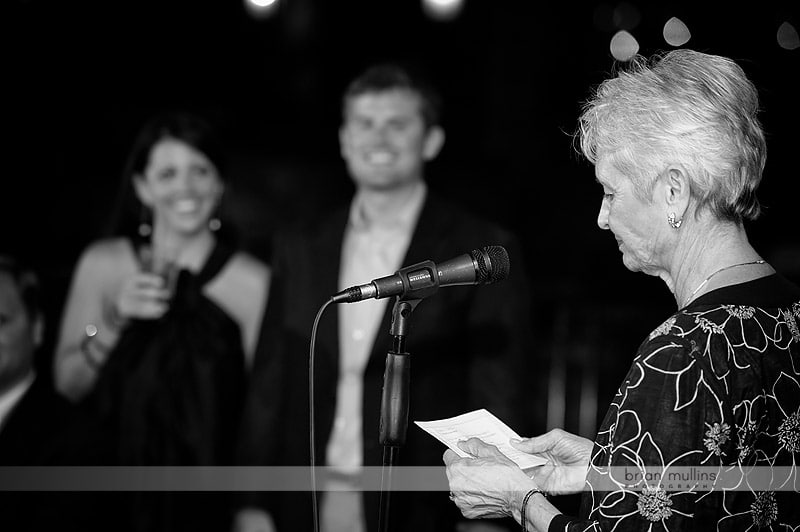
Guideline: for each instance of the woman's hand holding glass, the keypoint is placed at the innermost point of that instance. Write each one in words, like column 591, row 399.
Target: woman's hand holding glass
column 144, row 296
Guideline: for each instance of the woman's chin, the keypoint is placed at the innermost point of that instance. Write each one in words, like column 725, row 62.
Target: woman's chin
column 631, row 263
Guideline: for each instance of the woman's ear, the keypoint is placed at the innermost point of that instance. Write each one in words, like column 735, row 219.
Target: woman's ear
column 676, row 190
column 220, row 193
column 142, row 189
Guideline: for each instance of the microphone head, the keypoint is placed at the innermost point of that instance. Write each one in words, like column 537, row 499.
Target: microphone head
column 493, row 264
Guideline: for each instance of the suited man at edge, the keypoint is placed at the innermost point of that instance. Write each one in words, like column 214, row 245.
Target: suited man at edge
column 38, row 427
column 467, row 343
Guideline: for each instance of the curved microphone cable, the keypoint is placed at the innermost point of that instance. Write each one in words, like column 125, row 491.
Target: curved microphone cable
column 311, row 431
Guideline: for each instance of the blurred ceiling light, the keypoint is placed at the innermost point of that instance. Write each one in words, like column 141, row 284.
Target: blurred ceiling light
column 260, row 8
column 623, row 46
column 676, row 33
column 787, row 37
column 442, row 9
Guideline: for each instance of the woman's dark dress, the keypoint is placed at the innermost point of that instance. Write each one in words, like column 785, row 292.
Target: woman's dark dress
column 171, row 394
column 713, row 393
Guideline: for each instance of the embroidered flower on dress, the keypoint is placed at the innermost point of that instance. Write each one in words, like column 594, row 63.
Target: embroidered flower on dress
column 747, row 433
column 664, row 328
column 796, row 309
column 716, row 437
column 740, row 311
column 792, row 323
column 654, row 504
column 764, row 509
column 708, row 325
column 789, row 433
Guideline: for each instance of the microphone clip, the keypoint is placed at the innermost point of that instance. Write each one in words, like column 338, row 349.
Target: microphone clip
column 420, row 280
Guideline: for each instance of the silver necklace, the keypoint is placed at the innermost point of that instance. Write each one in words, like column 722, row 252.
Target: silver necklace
column 707, row 279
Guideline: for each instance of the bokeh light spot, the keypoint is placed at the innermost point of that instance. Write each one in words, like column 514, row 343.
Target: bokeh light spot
column 676, row 33
column 261, row 8
column 787, row 37
column 626, row 16
column 623, row 46
column 442, row 9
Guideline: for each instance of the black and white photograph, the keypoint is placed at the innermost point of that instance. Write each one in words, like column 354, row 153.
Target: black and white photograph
column 246, row 245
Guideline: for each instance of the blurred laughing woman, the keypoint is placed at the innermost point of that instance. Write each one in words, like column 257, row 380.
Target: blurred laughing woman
column 715, row 389
column 162, row 318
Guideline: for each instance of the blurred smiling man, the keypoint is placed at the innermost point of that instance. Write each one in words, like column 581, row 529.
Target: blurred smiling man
column 467, row 343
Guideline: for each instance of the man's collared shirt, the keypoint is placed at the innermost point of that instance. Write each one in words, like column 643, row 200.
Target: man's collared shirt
column 13, row 396
column 372, row 248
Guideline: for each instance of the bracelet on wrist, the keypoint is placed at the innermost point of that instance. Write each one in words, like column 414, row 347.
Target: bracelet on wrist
column 525, row 500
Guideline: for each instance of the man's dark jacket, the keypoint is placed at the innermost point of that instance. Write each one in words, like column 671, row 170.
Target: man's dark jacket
column 467, row 347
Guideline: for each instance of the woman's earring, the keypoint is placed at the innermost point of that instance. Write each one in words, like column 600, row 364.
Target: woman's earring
column 215, row 223
column 145, row 227
column 675, row 224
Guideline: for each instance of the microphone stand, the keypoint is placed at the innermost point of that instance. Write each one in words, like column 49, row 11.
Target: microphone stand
column 394, row 401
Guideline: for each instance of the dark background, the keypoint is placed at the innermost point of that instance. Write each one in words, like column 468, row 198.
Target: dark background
column 79, row 79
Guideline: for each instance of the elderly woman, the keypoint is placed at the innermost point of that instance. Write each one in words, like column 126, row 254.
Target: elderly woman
column 704, row 432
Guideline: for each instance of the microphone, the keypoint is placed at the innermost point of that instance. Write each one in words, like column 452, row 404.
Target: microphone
column 480, row 266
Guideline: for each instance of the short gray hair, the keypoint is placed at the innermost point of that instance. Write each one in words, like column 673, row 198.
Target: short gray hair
column 688, row 108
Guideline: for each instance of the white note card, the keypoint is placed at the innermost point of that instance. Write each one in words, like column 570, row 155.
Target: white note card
column 480, row 424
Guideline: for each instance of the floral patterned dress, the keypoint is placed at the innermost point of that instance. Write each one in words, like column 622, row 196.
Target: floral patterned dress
column 704, row 433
